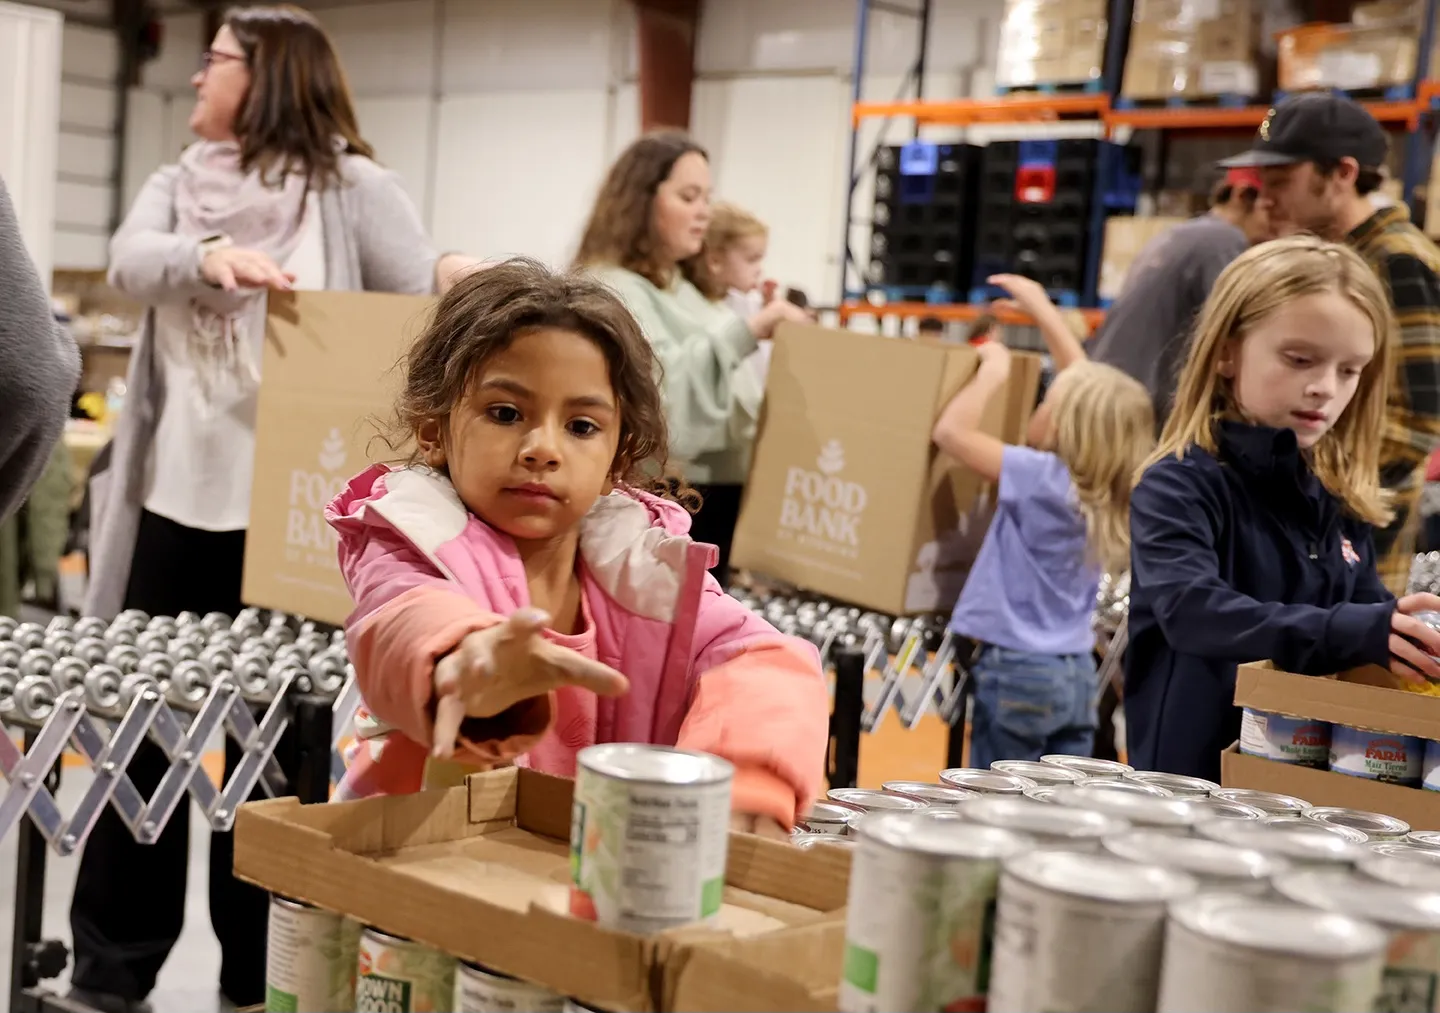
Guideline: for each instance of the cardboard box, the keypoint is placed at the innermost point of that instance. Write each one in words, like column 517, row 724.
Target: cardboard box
column 847, row 496
column 481, row 871
column 329, row 375
column 1125, row 237
column 1051, row 42
column 1346, row 56
column 1195, row 49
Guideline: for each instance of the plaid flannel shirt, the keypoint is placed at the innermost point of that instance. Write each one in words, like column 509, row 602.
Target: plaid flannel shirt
column 1409, row 265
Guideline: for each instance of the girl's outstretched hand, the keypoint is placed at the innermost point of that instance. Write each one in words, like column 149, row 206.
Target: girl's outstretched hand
column 494, row 669
column 1026, row 294
column 763, row 826
column 1414, row 646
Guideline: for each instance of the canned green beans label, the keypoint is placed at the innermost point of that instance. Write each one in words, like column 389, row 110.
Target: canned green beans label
column 382, row 994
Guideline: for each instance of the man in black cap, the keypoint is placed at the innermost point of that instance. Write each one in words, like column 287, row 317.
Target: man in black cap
column 1321, row 158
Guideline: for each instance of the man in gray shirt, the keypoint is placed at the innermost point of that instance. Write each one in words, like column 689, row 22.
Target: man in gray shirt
column 1146, row 332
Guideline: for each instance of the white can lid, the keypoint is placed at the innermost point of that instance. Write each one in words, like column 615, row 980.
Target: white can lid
column 1100, row 877
column 1344, row 892
column 1278, row 927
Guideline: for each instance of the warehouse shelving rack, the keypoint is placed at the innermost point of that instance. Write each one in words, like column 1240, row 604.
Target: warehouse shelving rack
column 1417, row 115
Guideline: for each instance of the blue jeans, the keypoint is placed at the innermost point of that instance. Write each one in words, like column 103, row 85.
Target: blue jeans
column 1027, row 705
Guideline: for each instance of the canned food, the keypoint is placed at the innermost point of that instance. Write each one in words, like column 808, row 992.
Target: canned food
column 1430, row 767
column 481, row 990
column 1412, row 871
column 1304, row 742
column 1424, row 839
column 1080, row 932
column 933, row 794
column 921, row 900
column 1221, row 809
column 1214, row 865
column 1042, row 792
column 986, row 782
column 869, row 800
column 1171, row 814
column 1411, row 978
column 400, row 976
column 310, row 958
column 1236, row 954
column 1039, row 772
column 1289, row 822
column 1403, row 849
column 1175, row 784
column 648, row 836
column 1132, row 787
column 1090, row 766
column 1052, row 826
column 810, row 840
column 1267, row 801
column 1375, row 826
column 827, row 817
column 1378, row 756
column 1303, row 843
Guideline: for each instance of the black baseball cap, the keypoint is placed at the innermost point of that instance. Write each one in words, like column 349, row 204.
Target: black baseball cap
column 1315, row 127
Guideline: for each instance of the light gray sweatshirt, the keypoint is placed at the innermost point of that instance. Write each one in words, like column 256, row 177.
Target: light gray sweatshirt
column 39, row 367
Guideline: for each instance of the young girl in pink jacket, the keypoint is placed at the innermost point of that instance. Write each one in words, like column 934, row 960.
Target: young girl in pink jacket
column 507, row 577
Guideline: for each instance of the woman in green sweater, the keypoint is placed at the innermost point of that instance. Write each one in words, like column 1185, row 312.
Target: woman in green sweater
column 651, row 214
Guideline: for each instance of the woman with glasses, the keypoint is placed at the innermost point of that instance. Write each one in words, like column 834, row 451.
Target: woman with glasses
column 279, row 193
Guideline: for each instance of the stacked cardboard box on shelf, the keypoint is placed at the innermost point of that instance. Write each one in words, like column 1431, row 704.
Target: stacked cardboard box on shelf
column 1191, row 49
column 1051, row 42
column 1354, row 57
column 1125, row 237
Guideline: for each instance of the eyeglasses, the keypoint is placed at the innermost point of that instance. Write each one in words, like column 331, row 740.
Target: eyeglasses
column 213, row 56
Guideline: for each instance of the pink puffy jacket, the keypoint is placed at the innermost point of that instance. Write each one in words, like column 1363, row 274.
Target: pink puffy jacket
column 704, row 672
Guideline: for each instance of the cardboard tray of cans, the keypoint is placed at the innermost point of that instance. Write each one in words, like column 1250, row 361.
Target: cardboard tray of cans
column 1364, row 698
column 481, row 872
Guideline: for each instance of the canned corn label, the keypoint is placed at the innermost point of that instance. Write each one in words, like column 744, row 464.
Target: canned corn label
column 310, row 959
column 1378, row 756
column 1430, row 769
column 1300, row 741
column 1412, row 966
column 398, row 976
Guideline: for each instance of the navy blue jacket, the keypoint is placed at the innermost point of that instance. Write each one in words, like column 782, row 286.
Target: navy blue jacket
column 1244, row 558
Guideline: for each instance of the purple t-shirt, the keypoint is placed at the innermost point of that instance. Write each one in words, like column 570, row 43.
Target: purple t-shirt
column 1032, row 587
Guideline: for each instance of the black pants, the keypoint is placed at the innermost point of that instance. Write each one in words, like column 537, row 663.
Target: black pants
column 715, row 523
column 129, row 903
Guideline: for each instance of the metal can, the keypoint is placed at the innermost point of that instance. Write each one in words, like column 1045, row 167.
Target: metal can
column 933, row 794
column 1174, row 815
column 1375, row 826
column 1176, row 784
column 1235, row 954
column 1080, row 932
column 921, row 908
column 1303, row 742
column 1223, row 809
column 1414, row 872
column 1133, row 787
column 806, row 841
column 310, row 958
column 1039, row 771
column 649, row 832
column 1090, row 766
column 1214, row 865
column 396, row 975
column 1051, row 826
column 1430, row 767
column 986, row 782
column 1042, row 792
column 868, row 800
column 1269, row 802
column 1411, row 979
column 1378, row 756
column 826, row 817
column 1404, row 849
column 1290, row 822
column 1424, row 839
column 481, row 990
column 1303, row 843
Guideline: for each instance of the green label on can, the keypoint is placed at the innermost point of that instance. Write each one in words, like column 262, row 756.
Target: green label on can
column 577, row 839
column 711, row 896
column 862, row 967
column 277, row 1001
column 375, row 993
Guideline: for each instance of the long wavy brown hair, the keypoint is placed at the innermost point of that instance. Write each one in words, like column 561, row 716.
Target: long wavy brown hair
column 484, row 311
column 298, row 115
column 621, row 230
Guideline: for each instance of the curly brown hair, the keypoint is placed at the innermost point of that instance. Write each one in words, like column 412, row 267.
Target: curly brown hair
column 621, row 229
column 485, row 311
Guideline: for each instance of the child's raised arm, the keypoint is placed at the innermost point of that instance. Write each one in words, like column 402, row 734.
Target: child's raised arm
column 958, row 431
column 1029, row 297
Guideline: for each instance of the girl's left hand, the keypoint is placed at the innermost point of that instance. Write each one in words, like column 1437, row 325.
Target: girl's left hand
column 1419, row 602
column 762, row 826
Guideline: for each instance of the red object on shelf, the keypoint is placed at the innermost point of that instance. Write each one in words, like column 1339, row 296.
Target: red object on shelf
column 1035, row 184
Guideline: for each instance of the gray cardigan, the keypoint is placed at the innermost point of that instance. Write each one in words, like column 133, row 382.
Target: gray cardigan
column 39, row 367
column 374, row 241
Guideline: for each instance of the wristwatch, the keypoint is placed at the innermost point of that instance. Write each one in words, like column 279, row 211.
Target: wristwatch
column 218, row 241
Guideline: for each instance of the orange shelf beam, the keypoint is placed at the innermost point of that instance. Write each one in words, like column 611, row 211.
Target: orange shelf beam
column 950, row 312
column 1016, row 109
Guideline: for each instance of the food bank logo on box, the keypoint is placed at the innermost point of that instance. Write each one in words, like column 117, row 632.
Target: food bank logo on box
column 308, row 539
column 821, row 510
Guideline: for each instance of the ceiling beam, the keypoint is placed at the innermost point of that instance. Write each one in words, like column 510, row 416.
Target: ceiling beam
column 666, row 32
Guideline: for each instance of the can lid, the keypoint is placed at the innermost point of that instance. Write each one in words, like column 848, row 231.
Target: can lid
column 1268, row 801
column 1042, row 792
column 804, row 840
column 991, row 782
column 1130, row 787
column 1410, row 871
column 1225, row 809
column 828, row 811
column 1176, row 784
column 1278, row 927
column 1371, row 824
column 1404, row 849
column 1342, row 891
column 958, row 838
column 1139, row 809
column 1296, row 822
column 1301, row 842
column 1028, row 816
column 1039, row 772
column 869, row 800
column 1101, row 877
column 1088, row 765
column 654, row 764
column 927, row 792
column 1424, row 839
column 1199, row 856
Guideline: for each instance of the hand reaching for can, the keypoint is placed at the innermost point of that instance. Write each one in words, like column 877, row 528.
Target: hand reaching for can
column 1414, row 644
column 494, row 669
